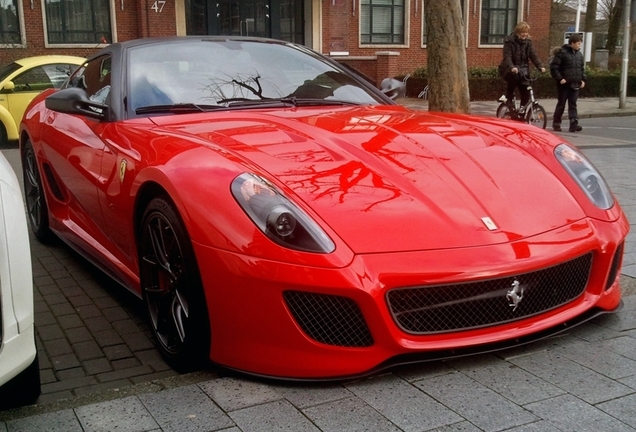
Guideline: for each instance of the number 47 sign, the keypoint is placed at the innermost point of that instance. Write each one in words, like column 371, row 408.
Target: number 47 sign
column 158, row 5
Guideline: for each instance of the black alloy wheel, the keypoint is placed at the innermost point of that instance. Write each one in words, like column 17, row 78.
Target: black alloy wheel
column 172, row 288
column 37, row 210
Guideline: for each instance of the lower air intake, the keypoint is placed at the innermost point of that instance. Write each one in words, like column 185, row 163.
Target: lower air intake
column 329, row 319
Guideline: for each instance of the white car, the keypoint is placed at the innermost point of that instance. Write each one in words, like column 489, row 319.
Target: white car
column 19, row 369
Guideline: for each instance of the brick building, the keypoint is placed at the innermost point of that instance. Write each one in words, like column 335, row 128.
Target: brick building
column 379, row 37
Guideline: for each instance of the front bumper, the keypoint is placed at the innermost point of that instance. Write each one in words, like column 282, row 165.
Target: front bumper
column 254, row 330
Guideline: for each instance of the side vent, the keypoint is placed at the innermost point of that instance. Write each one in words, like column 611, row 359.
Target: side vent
column 53, row 185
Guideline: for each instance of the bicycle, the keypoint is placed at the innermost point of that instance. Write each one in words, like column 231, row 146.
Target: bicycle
column 531, row 113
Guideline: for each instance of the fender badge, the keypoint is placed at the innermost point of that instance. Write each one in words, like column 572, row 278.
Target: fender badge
column 122, row 170
column 489, row 223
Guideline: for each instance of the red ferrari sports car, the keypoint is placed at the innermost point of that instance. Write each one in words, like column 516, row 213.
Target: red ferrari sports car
column 281, row 216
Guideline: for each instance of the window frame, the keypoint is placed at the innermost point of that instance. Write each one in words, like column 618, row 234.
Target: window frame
column 406, row 25
column 113, row 31
column 22, row 29
column 519, row 14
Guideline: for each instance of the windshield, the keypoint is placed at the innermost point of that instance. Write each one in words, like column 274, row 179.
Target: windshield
column 229, row 72
column 8, row 70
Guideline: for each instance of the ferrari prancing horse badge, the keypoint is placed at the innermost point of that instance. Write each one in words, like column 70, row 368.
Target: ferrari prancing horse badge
column 122, row 170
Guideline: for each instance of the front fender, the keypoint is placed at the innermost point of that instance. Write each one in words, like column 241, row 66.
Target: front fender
column 9, row 124
column 198, row 182
column 187, row 178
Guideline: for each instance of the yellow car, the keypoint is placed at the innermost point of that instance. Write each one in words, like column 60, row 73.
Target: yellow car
column 22, row 80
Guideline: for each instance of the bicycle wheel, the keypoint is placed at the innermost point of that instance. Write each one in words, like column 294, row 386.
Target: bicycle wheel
column 503, row 111
column 537, row 116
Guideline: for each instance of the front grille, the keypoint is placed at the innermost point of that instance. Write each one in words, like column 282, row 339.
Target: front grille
column 446, row 308
column 329, row 319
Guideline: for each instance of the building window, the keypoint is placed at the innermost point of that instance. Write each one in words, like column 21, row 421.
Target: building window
column 78, row 21
column 9, row 22
column 498, row 19
column 382, row 22
column 196, row 17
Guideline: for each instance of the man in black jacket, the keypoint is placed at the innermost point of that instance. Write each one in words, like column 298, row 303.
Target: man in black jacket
column 568, row 70
column 518, row 52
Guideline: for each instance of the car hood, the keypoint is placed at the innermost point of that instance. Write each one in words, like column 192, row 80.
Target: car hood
column 388, row 179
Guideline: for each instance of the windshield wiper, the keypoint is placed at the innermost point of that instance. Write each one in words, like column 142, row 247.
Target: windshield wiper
column 319, row 102
column 285, row 101
column 234, row 103
column 182, row 108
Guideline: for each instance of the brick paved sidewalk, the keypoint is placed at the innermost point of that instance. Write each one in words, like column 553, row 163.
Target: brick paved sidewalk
column 92, row 334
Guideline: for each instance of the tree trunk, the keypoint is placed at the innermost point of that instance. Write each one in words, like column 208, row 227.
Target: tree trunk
column 447, row 70
column 616, row 19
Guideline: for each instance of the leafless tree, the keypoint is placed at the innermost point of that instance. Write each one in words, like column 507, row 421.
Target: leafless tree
column 615, row 17
column 605, row 8
column 447, row 69
column 560, row 19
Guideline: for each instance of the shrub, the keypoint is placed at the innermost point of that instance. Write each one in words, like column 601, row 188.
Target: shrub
column 483, row 72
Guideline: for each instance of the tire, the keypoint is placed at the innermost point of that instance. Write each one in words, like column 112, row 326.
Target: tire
column 537, row 116
column 37, row 210
column 24, row 389
column 172, row 288
column 503, row 111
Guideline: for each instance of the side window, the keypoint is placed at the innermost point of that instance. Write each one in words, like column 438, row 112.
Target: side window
column 94, row 77
column 59, row 73
column 35, row 79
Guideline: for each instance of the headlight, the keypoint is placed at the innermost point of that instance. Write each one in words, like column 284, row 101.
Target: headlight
column 280, row 219
column 585, row 175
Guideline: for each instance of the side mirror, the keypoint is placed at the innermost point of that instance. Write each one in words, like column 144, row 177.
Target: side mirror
column 393, row 88
column 74, row 100
column 8, row 87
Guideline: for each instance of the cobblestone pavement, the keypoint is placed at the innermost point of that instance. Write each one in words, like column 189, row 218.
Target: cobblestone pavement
column 101, row 372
